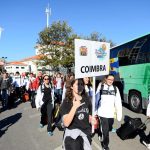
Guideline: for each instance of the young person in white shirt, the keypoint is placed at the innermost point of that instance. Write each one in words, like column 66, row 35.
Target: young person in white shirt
column 109, row 103
column 45, row 102
column 59, row 87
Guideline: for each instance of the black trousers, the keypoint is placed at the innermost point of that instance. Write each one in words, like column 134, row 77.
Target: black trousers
column 18, row 92
column 46, row 115
column 32, row 98
column 71, row 144
column 105, row 126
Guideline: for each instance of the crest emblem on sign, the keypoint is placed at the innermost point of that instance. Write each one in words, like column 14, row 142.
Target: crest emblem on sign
column 101, row 52
column 83, row 51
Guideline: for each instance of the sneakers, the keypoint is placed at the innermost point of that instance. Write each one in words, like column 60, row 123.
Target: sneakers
column 106, row 148
column 41, row 125
column 146, row 144
column 50, row 133
column 113, row 130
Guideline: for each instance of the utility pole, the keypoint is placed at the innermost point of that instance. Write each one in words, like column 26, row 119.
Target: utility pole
column 48, row 13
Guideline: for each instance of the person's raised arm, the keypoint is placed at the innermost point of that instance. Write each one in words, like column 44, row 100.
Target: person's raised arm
column 67, row 118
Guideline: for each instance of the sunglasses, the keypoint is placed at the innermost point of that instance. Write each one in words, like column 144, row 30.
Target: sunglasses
column 46, row 79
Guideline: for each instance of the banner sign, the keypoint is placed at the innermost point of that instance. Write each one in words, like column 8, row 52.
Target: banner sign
column 91, row 58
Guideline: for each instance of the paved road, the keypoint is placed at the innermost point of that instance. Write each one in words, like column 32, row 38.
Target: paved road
column 19, row 130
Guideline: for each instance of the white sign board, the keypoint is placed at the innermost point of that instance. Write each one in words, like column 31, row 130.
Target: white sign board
column 91, row 58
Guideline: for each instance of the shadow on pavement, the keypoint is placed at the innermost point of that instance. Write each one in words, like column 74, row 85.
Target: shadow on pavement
column 7, row 122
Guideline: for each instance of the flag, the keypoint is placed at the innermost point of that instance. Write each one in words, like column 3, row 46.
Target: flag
column 114, row 66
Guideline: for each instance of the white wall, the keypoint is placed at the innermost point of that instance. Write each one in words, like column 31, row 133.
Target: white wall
column 31, row 66
column 15, row 68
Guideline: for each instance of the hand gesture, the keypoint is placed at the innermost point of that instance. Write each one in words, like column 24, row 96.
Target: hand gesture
column 76, row 103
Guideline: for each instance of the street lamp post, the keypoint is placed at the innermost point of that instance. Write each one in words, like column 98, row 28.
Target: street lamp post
column 4, row 60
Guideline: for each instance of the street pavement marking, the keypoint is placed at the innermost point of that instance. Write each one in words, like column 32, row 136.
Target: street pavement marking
column 34, row 115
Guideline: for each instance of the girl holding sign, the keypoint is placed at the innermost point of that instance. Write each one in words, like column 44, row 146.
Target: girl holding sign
column 76, row 111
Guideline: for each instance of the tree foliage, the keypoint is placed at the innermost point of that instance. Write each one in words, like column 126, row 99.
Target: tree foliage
column 95, row 36
column 56, row 44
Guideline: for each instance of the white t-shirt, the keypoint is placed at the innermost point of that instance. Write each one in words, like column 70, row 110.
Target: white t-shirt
column 110, row 103
column 59, row 83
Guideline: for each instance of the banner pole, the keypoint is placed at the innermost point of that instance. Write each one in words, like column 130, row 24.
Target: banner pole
column 93, row 102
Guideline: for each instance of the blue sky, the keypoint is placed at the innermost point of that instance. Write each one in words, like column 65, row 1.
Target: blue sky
column 22, row 20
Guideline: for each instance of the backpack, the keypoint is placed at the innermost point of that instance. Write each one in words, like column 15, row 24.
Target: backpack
column 42, row 87
column 100, row 93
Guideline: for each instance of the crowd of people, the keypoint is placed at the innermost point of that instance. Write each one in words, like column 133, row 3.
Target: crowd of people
column 14, row 86
column 66, row 100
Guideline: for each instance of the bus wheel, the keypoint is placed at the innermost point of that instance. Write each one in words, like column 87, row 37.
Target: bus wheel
column 135, row 101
